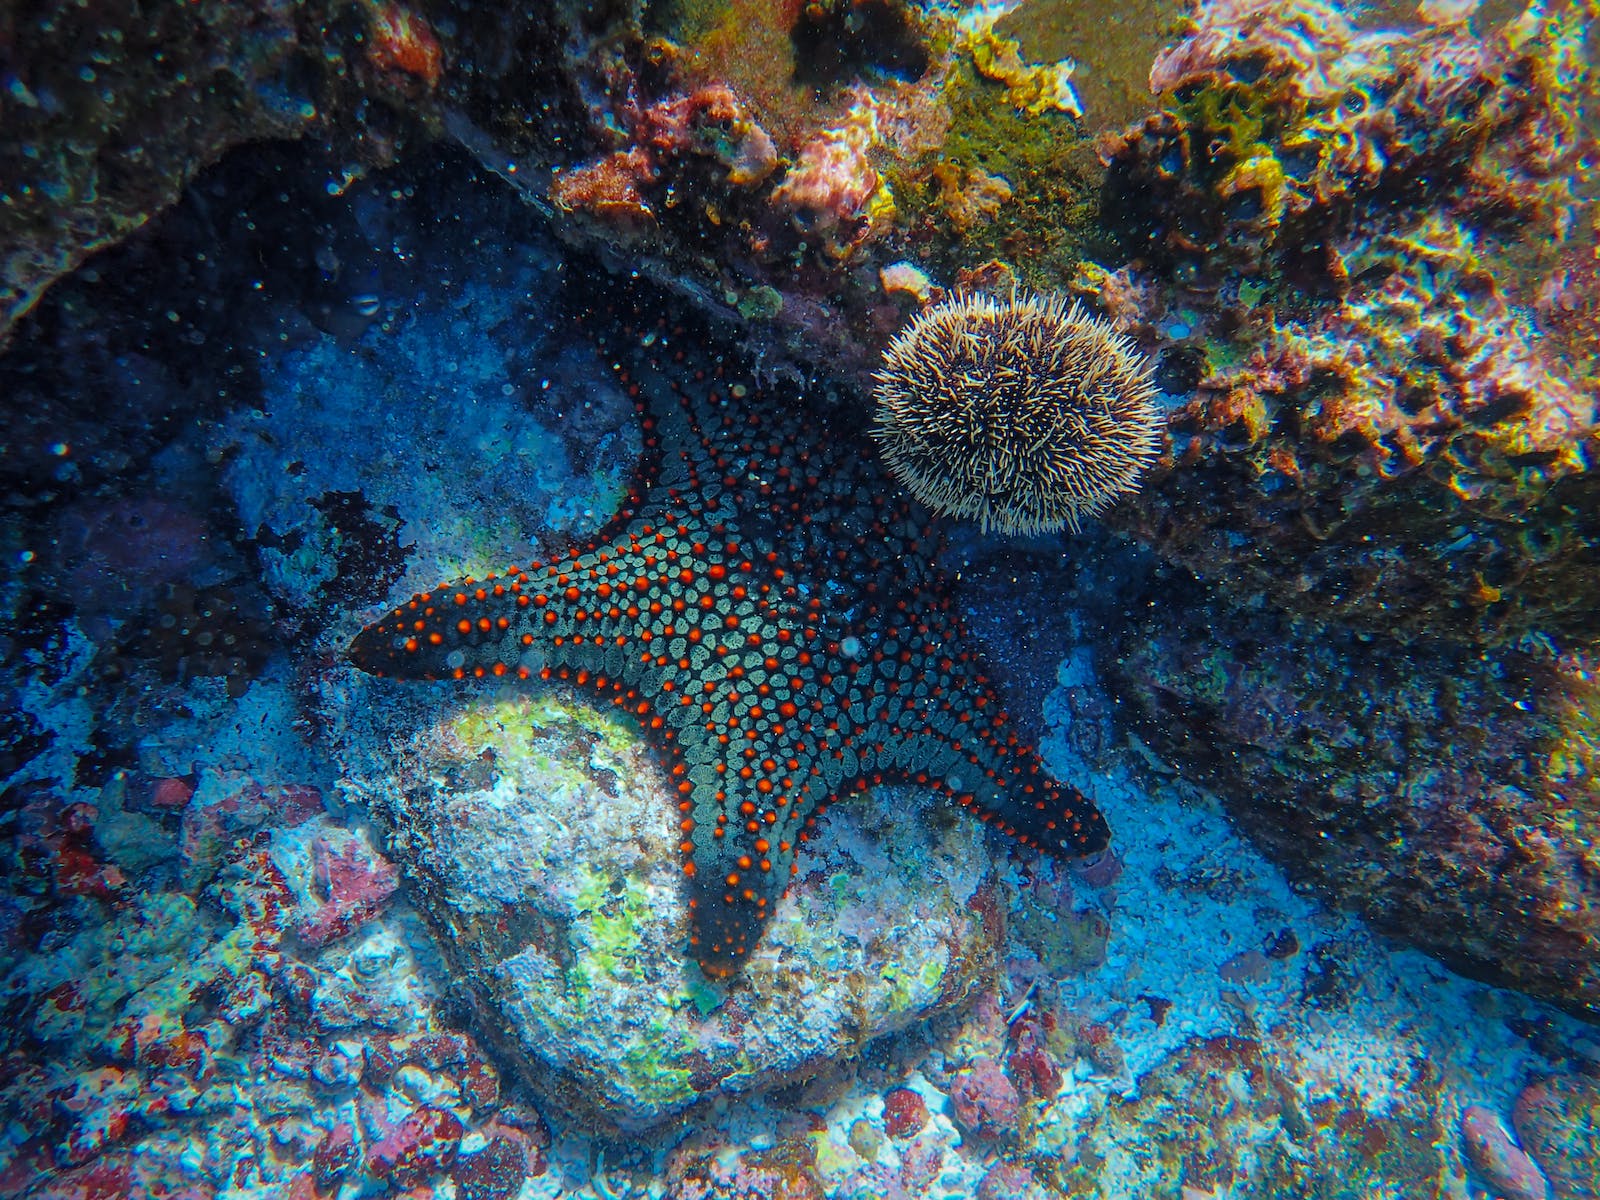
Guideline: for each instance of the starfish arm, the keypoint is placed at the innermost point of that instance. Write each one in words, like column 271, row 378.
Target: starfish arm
column 740, row 846
column 935, row 719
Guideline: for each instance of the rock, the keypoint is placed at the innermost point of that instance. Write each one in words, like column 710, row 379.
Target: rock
column 1497, row 1159
column 494, row 1173
column 1100, row 871
column 1558, row 1123
column 355, row 882
column 1441, row 792
column 335, row 1154
column 418, row 1148
column 904, row 1113
column 539, row 837
column 99, row 1104
column 1006, row 1181
column 1030, row 1064
column 229, row 805
column 1213, row 1113
column 454, row 455
column 986, row 1102
column 865, row 1139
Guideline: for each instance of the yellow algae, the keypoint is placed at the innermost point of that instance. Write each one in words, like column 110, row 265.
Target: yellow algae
column 1033, row 88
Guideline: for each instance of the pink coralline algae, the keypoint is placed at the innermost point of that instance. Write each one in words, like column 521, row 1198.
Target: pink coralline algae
column 494, row 1173
column 1568, row 301
column 55, row 842
column 171, row 794
column 103, row 1105
column 334, row 1156
column 355, row 883
column 1030, row 1063
column 1006, row 1181
column 1558, row 1123
column 1099, row 870
column 904, row 1113
column 421, row 1146
column 227, row 808
column 986, row 1102
column 108, row 1179
column 833, row 192
column 1497, row 1159
column 186, row 1047
column 630, row 188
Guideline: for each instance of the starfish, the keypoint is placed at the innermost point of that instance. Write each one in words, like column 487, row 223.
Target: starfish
column 776, row 626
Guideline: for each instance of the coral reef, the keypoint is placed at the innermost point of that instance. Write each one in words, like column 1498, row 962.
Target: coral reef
column 846, row 137
column 1220, row 1117
column 673, row 142
column 219, row 981
column 172, row 1035
column 1339, row 236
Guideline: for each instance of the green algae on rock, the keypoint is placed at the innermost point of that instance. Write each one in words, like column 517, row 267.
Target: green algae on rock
column 539, row 837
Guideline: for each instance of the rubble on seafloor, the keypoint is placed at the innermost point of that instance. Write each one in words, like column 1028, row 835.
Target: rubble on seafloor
column 214, row 978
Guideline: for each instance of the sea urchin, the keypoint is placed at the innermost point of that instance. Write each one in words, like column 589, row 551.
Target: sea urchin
column 1027, row 414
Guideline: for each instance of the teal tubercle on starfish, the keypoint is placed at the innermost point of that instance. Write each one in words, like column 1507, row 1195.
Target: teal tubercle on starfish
column 773, row 621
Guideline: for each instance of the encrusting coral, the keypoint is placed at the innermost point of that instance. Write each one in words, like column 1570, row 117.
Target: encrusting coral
column 1028, row 415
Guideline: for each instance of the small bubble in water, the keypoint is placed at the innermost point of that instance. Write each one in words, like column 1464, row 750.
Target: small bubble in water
column 367, row 305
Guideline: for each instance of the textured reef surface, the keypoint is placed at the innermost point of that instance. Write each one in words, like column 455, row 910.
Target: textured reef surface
column 1371, row 249
column 1449, row 794
column 1360, row 244
column 532, row 285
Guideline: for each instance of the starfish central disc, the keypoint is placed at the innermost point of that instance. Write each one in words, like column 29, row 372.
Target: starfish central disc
column 774, row 626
